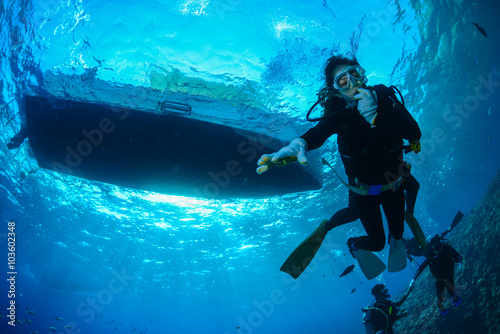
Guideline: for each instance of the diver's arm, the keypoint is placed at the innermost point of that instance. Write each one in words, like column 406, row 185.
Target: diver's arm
column 403, row 314
column 394, row 117
column 410, row 286
column 405, row 122
column 402, row 300
column 406, row 295
column 317, row 135
column 296, row 150
column 456, row 258
column 409, row 127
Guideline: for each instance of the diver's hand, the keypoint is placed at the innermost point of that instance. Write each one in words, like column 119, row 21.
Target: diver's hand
column 266, row 162
column 403, row 314
column 415, row 146
column 296, row 151
column 367, row 104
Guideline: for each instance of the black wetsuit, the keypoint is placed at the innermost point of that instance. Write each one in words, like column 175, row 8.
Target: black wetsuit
column 345, row 215
column 383, row 314
column 371, row 156
column 349, row 214
column 442, row 266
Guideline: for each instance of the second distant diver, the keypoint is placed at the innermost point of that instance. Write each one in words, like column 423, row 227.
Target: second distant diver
column 370, row 124
column 380, row 316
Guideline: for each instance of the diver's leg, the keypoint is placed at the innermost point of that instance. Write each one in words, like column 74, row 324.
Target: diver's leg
column 440, row 290
column 345, row 215
column 341, row 217
column 440, row 296
column 450, row 285
column 368, row 208
column 394, row 204
column 411, row 187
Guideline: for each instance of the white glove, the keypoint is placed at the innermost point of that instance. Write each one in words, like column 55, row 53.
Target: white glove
column 295, row 151
column 367, row 104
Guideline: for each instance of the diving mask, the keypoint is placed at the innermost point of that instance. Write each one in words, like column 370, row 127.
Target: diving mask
column 437, row 244
column 349, row 78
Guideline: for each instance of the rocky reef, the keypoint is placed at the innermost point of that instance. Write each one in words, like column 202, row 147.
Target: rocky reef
column 477, row 239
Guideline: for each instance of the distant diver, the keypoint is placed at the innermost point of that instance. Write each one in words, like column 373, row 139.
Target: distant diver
column 481, row 30
column 379, row 317
column 441, row 257
column 414, row 248
column 370, row 123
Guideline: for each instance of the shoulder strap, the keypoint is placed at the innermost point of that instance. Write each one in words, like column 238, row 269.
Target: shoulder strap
column 401, row 100
column 390, row 93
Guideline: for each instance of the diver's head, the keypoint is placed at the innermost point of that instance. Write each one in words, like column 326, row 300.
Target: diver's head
column 344, row 76
column 380, row 292
column 436, row 244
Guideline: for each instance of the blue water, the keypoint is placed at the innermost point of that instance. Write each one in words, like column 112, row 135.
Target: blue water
column 111, row 260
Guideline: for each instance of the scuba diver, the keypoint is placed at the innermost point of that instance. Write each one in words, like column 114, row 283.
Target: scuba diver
column 441, row 257
column 370, row 123
column 379, row 317
column 415, row 248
